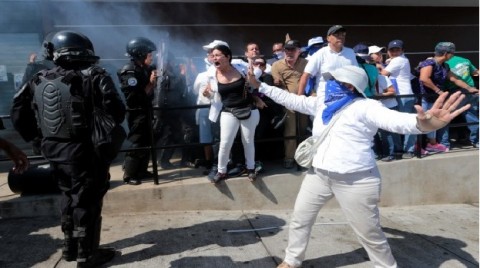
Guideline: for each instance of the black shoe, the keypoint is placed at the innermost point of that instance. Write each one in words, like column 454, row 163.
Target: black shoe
column 237, row 171
column 187, row 164
column 278, row 121
column 252, row 175
column 289, row 163
column 218, row 177
column 213, row 171
column 134, row 181
column 147, row 175
column 99, row 257
column 203, row 163
column 126, row 180
column 167, row 165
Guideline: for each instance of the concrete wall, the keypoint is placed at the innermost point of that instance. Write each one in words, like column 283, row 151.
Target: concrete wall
column 440, row 179
column 451, row 178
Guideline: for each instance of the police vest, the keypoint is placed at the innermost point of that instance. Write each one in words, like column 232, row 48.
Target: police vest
column 60, row 114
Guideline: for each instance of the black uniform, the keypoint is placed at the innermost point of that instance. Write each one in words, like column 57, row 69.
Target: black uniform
column 177, row 123
column 133, row 81
column 31, row 69
column 83, row 175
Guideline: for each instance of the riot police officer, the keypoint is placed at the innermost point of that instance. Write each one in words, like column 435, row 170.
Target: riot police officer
column 137, row 82
column 34, row 67
column 59, row 102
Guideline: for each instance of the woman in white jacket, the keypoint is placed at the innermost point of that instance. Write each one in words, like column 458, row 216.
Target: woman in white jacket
column 228, row 89
column 344, row 165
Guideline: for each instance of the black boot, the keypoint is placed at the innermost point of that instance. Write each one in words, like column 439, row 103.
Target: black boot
column 100, row 256
column 89, row 252
column 70, row 248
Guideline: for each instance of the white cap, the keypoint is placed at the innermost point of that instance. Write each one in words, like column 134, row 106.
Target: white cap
column 215, row 43
column 375, row 49
column 351, row 74
column 315, row 40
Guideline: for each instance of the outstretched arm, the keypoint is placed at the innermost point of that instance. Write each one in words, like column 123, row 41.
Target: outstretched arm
column 18, row 157
column 303, row 83
column 441, row 113
column 291, row 101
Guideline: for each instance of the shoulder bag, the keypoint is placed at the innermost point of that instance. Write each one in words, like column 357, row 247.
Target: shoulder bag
column 107, row 135
column 307, row 149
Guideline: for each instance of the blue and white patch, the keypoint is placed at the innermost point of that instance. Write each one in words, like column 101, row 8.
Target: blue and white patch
column 132, row 81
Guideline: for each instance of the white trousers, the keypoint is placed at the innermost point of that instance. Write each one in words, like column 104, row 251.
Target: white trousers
column 358, row 195
column 229, row 125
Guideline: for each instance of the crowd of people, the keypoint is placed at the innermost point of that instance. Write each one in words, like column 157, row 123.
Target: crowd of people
column 392, row 81
column 293, row 67
column 294, row 94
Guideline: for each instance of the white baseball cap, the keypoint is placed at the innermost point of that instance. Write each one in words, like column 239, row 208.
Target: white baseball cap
column 375, row 49
column 351, row 74
column 215, row 43
column 315, row 40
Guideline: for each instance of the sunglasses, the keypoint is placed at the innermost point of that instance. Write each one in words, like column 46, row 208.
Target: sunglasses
column 259, row 63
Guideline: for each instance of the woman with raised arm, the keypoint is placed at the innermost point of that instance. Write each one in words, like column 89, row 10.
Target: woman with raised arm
column 233, row 101
column 344, row 165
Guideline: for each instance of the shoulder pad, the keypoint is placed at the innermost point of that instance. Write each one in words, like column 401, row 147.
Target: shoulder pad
column 93, row 70
column 36, row 76
column 130, row 67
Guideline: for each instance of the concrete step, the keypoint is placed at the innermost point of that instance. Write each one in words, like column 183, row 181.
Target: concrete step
column 450, row 178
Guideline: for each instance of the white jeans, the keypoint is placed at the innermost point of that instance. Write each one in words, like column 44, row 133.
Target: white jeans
column 229, row 125
column 358, row 195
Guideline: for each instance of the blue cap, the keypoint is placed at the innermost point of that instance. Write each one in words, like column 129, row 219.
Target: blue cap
column 361, row 50
column 395, row 44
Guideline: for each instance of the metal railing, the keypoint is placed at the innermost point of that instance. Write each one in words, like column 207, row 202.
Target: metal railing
column 153, row 148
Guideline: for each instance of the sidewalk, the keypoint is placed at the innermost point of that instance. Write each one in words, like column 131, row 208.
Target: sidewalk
column 420, row 236
column 243, row 224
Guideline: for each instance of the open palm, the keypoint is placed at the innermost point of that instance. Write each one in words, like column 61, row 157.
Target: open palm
column 444, row 109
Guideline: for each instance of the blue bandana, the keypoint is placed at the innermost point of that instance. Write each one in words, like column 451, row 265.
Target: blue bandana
column 336, row 96
column 313, row 49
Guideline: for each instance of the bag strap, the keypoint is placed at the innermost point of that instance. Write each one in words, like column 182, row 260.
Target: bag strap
column 87, row 73
column 330, row 125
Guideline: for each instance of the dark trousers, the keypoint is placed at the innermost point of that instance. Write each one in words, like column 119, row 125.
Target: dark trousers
column 136, row 161
column 83, row 186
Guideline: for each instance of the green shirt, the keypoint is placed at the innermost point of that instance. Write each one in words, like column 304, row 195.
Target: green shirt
column 372, row 74
column 463, row 69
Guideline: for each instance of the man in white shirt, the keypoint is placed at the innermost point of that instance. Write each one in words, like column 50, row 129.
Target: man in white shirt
column 398, row 70
column 327, row 59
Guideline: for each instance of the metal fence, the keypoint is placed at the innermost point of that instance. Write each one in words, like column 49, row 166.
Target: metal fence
column 153, row 148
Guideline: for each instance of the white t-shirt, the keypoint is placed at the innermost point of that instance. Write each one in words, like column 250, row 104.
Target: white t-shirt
column 399, row 69
column 327, row 60
column 243, row 65
column 384, row 83
column 199, row 86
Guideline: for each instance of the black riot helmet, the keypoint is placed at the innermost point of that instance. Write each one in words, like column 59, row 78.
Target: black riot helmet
column 71, row 47
column 47, row 46
column 139, row 47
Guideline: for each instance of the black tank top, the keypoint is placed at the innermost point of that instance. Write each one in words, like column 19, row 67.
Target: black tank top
column 233, row 94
